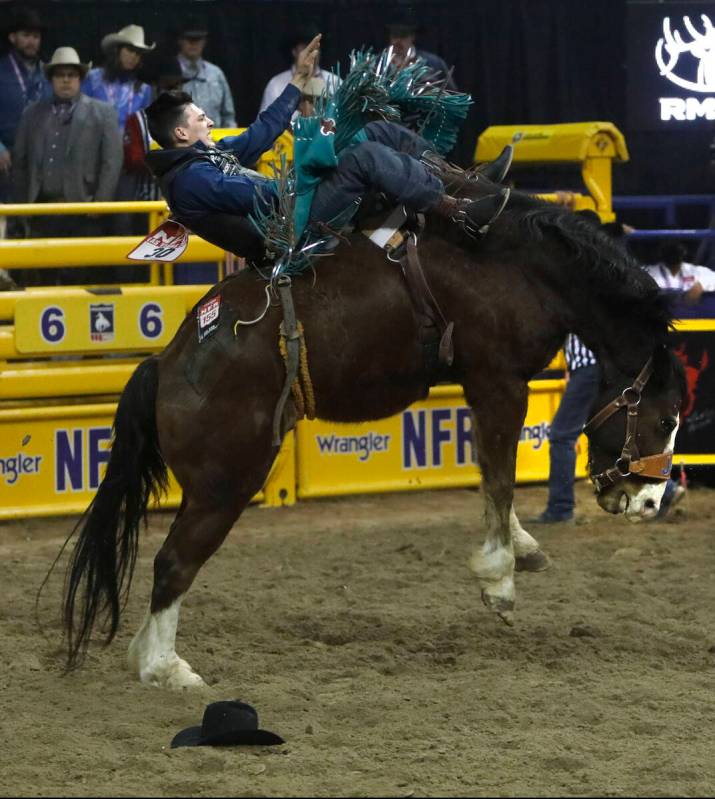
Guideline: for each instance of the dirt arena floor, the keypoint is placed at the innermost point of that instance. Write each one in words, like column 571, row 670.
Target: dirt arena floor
column 356, row 630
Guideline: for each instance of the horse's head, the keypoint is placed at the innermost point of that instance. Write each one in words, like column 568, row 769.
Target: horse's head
column 632, row 434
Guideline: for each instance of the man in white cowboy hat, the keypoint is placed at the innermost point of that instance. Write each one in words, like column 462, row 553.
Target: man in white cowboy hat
column 205, row 81
column 117, row 82
column 67, row 149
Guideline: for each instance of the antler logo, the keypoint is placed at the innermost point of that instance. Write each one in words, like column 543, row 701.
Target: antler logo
column 671, row 48
column 692, row 375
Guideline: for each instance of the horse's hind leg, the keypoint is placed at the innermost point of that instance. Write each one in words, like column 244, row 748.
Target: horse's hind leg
column 527, row 552
column 219, row 474
column 197, row 532
column 499, row 414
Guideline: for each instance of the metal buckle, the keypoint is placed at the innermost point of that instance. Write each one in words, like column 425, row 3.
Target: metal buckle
column 624, row 466
column 631, row 391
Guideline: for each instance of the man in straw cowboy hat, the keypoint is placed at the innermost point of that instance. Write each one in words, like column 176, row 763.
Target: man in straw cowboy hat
column 68, row 148
column 117, row 82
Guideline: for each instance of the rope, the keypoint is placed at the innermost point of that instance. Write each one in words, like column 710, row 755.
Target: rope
column 240, row 322
column 302, row 388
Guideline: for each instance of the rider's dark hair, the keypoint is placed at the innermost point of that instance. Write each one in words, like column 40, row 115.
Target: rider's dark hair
column 164, row 114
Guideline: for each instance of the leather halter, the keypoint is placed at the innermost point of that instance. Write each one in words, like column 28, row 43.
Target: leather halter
column 655, row 467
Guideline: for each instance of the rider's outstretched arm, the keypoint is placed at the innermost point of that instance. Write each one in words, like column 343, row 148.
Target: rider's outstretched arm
column 259, row 136
column 250, row 145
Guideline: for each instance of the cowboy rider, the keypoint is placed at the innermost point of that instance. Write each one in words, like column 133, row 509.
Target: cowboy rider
column 200, row 178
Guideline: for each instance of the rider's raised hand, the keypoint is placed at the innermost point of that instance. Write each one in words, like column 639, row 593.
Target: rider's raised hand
column 305, row 64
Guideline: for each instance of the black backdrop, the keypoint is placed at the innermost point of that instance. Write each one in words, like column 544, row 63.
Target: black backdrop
column 523, row 61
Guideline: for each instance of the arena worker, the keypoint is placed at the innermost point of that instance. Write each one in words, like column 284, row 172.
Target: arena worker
column 199, row 177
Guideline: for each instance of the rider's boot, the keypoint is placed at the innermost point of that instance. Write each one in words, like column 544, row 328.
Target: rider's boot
column 495, row 170
column 491, row 171
column 474, row 215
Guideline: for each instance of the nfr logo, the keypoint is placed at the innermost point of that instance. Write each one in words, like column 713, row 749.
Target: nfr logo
column 79, row 457
column 101, row 321
column 425, row 434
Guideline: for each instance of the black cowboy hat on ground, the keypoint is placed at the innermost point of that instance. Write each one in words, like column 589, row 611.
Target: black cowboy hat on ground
column 25, row 19
column 227, row 723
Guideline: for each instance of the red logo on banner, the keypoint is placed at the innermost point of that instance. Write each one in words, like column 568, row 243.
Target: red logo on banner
column 692, row 375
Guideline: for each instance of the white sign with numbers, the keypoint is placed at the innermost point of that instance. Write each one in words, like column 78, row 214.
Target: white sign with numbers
column 166, row 243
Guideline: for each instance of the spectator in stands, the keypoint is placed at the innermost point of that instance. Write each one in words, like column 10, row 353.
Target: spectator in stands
column 402, row 32
column 22, row 82
column 673, row 273
column 295, row 44
column 205, row 82
column 117, row 82
column 68, row 149
column 164, row 75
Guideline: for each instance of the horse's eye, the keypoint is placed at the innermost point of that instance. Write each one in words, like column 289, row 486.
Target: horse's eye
column 668, row 423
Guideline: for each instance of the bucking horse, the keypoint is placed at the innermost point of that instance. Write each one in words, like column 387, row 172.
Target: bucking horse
column 204, row 407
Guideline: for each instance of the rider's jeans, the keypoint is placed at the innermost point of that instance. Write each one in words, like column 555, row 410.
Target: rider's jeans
column 387, row 163
column 572, row 414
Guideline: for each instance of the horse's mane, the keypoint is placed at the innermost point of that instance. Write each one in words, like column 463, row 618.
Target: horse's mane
column 590, row 255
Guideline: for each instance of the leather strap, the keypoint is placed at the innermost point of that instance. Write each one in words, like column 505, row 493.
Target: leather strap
column 655, row 467
column 423, row 299
column 289, row 329
column 629, row 396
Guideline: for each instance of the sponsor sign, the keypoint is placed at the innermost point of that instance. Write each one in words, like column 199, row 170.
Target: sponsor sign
column 53, row 459
column 671, row 65
column 83, row 323
column 429, row 445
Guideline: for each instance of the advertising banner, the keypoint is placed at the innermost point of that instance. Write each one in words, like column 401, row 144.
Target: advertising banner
column 429, row 445
column 695, row 443
column 671, row 66
column 53, row 459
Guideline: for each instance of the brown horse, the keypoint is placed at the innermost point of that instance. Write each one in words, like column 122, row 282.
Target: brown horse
column 205, row 409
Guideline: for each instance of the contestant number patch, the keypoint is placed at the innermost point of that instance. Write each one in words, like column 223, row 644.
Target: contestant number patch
column 165, row 243
column 207, row 316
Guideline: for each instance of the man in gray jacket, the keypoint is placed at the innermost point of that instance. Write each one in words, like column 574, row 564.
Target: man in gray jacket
column 68, row 149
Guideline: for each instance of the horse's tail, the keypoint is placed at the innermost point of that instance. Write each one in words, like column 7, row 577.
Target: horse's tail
column 100, row 570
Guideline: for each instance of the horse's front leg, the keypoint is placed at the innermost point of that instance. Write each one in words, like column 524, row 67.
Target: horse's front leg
column 499, row 409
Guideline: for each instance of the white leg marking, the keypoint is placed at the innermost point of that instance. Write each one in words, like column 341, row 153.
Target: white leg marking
column 494, row 563
column 152, row 654
column 644, row 498
column 524, row 544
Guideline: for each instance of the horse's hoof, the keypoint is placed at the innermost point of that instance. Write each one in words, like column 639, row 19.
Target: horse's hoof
column 504, row 608
column 536, row 561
